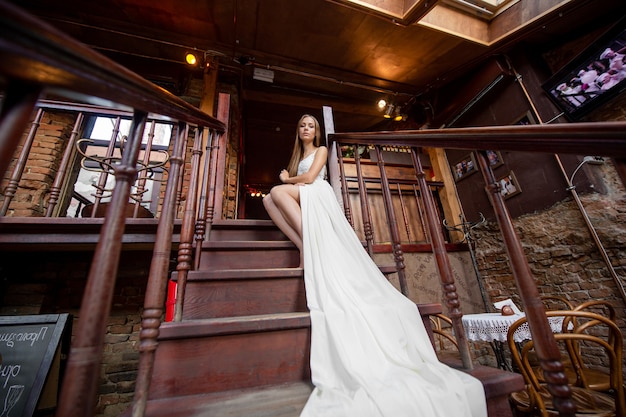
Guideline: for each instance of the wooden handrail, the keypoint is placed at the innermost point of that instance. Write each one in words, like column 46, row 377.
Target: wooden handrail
column 604, row 139
column 38, row 54
column 601, row 139
column 35, row 59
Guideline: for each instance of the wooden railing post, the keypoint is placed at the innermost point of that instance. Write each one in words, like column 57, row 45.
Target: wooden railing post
column 68, row 154
column 185, row 247
column 104, row 175
column 365, row 208
column 143, row 174
column 216, row 171
column 203, row 203
column 545, row 344
column 443, row 262
column 157, row 281
column 393, row 224
column 345, row 193
column 80, row 386
column 20, row 164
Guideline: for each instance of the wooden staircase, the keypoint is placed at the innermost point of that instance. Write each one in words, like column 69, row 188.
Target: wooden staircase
column 242, row 348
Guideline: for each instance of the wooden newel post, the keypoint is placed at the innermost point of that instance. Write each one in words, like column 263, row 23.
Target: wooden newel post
column 545, row 344
column 443, row 262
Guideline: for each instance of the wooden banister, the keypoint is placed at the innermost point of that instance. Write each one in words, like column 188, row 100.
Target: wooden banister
column 35, row 59
column 603, row 139
column 38, row 54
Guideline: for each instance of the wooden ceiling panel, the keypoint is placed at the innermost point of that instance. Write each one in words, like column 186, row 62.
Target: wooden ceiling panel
column 322, row 52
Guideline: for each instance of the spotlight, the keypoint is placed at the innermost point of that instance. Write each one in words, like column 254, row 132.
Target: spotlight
column 191, row 58
column 381, row 104
column 389, row 111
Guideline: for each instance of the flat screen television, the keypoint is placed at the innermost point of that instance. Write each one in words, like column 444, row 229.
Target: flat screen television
column 595, row 76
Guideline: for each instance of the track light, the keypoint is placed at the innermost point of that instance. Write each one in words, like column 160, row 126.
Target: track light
column 389, row 111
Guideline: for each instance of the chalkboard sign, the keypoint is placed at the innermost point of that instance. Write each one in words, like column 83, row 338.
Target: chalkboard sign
column 28, row 345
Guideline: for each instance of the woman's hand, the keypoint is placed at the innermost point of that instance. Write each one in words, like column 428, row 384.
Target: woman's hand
column 284, row 175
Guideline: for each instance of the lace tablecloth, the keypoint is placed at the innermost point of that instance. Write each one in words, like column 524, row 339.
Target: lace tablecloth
column 488, row 327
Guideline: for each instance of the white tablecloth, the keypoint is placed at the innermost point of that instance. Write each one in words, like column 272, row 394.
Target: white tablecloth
column 488, row 327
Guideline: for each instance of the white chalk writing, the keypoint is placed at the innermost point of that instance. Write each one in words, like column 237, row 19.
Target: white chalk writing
column 32, row 337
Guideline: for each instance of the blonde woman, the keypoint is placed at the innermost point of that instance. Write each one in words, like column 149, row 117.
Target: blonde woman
column 370, row 353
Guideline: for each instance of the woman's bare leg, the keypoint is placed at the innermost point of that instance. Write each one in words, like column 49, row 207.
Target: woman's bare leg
column 282, row 204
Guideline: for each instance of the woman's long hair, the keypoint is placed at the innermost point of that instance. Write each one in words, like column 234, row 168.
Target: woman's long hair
column 298, row 149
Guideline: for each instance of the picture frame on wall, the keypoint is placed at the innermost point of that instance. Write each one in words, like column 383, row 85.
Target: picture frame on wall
column 593, row 77
column 495, row 158
column 464, row 167
column 509, row 186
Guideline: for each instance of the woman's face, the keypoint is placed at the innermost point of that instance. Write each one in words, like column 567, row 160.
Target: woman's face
column 306, row 130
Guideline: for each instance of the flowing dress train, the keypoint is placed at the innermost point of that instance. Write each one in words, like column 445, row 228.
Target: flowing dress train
column 370, row 353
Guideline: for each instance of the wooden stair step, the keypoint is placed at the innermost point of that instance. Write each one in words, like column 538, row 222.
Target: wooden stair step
column 238, row 274
column 204, row 356
column 273, row 401
column 498, row 384
column 244, row 292
column 245, row 229
column 248, row 254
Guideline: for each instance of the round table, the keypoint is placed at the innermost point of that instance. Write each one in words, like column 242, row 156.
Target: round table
column 494, row 327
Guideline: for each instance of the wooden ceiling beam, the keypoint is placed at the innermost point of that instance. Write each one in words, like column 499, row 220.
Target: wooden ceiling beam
column 311, row 102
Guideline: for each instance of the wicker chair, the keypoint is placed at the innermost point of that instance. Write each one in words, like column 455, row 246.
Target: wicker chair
column 581, row 331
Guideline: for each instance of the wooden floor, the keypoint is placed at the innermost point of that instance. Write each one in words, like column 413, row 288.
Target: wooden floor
column 275, row 401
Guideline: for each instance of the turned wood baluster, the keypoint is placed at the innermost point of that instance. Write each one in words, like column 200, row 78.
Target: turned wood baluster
column 17, row 106
column 82, row 374
column 398, row 255
column 405, row 217
column 365, row 208
column 201, row 223
column 104, row 175
column 143, row 174
column 18, row 170
column 181, row 179
column 545, row 344
column 345, row 193
column 185, row 248
column 59, row 179
column 422, row 214
column 442, row 261
column 157, row 281
column 218, row 166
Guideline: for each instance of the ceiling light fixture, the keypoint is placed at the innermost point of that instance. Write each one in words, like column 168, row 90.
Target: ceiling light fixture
column 381, row 104
column 191, row 58
column 389, row 111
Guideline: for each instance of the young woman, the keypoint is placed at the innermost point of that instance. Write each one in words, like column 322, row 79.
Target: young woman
column 370, row 353
column 307, row 164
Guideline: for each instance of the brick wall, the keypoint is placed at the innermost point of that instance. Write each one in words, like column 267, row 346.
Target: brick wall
column 53, row 282
column 560, row 250
column 41, row 167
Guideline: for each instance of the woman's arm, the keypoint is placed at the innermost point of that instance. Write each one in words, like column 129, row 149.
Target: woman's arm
column 321, row 155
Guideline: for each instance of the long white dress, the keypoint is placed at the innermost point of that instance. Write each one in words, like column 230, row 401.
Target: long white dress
column 370, row 353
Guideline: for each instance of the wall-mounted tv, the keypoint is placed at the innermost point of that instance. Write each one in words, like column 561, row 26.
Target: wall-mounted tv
column 596, row 75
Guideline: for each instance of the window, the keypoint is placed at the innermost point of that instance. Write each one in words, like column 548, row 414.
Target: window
column 97, row 155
